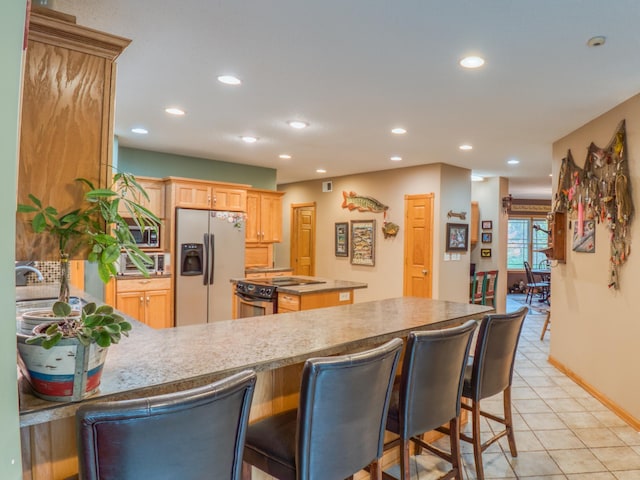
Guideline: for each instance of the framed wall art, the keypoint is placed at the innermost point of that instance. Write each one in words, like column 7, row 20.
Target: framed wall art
column 485, row 252
column 363, row 242
column 342, row 239
column 486, row 237
column 487, row 224
column 457, row 236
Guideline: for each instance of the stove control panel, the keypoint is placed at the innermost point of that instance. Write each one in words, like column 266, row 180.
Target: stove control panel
column 256, row 290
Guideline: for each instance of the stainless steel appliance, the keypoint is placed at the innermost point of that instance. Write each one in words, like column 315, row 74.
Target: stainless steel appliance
column 159, row 264
column 260, row 296
column 145, row 237
column 209, row 253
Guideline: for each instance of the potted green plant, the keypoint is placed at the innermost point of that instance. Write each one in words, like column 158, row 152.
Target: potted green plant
column 96, row 226
column 64, row 357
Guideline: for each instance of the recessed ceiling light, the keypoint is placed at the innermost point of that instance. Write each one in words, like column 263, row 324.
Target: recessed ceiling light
column 395, row 158
column 284, row 156
column 472, row 62
column 140, row 130
column 249, row 139
column 399, row 131
column 174, row 111
column 477, row 178
column 597, row 41
column 297, row 124
column 513, row 161
column 229, row 80
column 321, row 170
column 466, row 146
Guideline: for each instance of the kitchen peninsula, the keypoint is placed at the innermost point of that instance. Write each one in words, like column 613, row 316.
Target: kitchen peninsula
column 159, row 361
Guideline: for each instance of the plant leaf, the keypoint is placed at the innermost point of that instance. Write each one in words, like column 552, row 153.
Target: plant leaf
column 47, row 343
column 22, row 208
column 103, row 339
column 36, row 201
column 61, row 309
column 39, row 223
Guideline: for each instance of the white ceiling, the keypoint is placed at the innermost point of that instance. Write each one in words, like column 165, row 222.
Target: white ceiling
column 354, row 69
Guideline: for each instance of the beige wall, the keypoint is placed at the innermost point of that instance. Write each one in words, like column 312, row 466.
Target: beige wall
column 595, row 330
column 452, row 189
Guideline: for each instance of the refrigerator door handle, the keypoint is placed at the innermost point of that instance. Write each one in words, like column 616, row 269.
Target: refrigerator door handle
column 205, row 277
column 213, row 257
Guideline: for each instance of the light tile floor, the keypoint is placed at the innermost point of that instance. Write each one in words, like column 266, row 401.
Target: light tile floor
column 562, row 432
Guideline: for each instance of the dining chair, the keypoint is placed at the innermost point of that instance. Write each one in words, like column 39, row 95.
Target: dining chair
column 428, row 394
column 532, row 286
column 490, row 373
column 477, row 287
column 338, row 427
column 490, row 285
column 546, row 324
column 191, row 434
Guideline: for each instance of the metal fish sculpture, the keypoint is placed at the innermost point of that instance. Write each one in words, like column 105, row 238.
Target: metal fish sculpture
column 353, row 201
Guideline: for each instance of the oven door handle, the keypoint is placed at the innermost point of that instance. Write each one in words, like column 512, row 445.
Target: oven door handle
column 247, row 298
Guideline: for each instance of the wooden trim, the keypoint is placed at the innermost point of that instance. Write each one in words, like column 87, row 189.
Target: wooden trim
column 61, row 30
column 606, row 401
column 211, row 182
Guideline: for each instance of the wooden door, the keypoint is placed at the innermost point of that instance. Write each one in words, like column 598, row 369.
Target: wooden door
column 303, row 239
column 418, row 245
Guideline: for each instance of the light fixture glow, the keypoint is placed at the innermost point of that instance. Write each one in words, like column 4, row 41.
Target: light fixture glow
column 284, row 156
column 466, row 146
column 140, row 130
column 472, row 62
column 249, row 139
column 321, row 170
column 229, row 80
column 297, row 124
column 399, row 131
column 477, row 178
column 174, row 111
column 513, row 161
column 395, row 158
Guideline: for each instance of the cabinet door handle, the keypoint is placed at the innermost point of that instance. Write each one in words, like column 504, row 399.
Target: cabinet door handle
column 147, row 300
column 141, row 299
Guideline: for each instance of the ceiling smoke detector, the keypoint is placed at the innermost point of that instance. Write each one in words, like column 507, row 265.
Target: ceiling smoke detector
column 596, row 41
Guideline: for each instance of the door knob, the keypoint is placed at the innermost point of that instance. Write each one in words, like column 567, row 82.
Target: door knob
column 424, row 272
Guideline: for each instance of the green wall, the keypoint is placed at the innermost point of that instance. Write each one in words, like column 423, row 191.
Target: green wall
column 12, row 15
column 157, row 164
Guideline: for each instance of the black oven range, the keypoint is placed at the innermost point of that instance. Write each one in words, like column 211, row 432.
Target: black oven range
column 255, row 297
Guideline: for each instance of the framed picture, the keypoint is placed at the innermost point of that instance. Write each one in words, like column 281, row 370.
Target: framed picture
column 485, row 252
column 363, row 242
column 487, row 224
column 486, row 237
column 342, row 239
column 457, row 236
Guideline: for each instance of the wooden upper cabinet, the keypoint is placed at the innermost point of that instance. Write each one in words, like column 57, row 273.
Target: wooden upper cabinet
column 66, row 128
column 209, row 195
column 155, row 190
column 264, row 216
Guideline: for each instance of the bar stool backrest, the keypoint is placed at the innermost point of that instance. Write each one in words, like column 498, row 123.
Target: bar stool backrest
column 343, row 408
column 477, row 288
column 193, row 434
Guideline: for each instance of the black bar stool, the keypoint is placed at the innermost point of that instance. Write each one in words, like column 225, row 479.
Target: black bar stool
column 338, row 428
column 192, row 434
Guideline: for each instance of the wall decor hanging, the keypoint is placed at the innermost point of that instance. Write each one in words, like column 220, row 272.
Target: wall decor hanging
column 584, row 241
column 390, row 229
column 353, row 201
column 342, row 239
column 460, row 215
column 457, row 236
column 487, row 225
column 486, row 237
column 485, row 252
column 600, row 191
column 363, row 242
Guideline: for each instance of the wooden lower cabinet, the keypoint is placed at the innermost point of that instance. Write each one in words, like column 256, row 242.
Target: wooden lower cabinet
column 288, row 302
column 147, row 300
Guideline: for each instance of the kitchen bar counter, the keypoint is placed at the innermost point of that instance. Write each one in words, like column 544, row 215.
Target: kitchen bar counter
column 320, row 285
column 158, row 361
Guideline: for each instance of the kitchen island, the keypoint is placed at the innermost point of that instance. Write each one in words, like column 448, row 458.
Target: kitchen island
column 159, row 361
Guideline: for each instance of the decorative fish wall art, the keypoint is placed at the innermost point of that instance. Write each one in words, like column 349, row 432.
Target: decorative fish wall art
column 353, row 201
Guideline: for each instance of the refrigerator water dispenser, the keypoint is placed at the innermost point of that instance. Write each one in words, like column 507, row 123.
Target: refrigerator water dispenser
column 192, row 262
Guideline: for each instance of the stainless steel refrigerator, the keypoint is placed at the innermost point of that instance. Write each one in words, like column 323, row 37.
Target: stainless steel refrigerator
column 209, row 251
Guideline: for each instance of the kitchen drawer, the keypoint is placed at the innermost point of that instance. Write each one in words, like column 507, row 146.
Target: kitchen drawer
column 255, row 275
column 288, row 302
column 143, row 284
column 284, row 273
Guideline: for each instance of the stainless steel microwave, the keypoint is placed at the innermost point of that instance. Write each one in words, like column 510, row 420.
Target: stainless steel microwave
column 146, row 237
column 159, row 264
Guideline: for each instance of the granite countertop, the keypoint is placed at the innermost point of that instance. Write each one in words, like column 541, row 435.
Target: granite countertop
column 323, row 285
column 152, row 362
column 267, row 269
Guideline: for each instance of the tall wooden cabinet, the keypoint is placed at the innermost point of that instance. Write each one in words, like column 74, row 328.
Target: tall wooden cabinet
column 66, row 128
